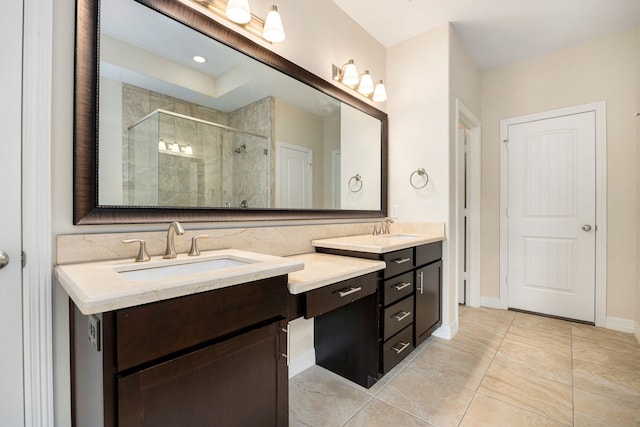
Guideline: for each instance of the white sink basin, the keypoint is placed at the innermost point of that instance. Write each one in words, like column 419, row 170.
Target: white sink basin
column 158, row 272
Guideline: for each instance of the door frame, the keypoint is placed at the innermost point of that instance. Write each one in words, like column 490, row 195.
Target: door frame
column 474, row 179
column 37, row 239
column 599, row 108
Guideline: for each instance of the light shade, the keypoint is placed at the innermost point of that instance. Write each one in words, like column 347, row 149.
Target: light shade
column 350, row 74
column 273, row 29
column 188, row 149
column 366, row 84
column 161, row 145
column 380, row 93
column 238, row 11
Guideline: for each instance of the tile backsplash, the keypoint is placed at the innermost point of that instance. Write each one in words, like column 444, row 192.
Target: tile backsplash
column 273, row 240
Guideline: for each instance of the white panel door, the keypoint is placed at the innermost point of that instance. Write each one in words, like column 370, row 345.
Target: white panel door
column 551, row 216
column 293, row 171
column 11, row 352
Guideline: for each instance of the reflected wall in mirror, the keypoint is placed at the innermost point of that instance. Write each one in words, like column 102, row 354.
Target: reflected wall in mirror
column 233, row 138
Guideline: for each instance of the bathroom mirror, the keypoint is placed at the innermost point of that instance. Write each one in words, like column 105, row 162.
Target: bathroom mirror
column 244, row 136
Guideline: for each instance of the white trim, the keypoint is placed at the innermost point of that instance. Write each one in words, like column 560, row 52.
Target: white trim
column 36, row 212
column 491, row 302
column 636, row 332
column 302, row 363
column 474, row 168
column 620, row 325
column 447, row 332
column 599, row 108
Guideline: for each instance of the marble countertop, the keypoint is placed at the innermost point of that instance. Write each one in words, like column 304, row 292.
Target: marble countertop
column 324, row 269
column 378, row 244
column 97, row 287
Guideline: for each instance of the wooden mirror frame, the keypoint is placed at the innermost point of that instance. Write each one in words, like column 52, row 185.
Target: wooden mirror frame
column 86, row 208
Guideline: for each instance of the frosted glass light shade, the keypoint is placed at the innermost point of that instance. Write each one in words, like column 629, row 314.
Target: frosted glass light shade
column 175, row 148
column 366, row 84
column 350, row 74
column 162, row 146
column 188, row 150
column 380, row 93
column 273, row 29
column 238, row 11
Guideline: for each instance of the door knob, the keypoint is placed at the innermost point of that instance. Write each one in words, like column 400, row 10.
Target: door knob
column 4, row 259
column 586, row 227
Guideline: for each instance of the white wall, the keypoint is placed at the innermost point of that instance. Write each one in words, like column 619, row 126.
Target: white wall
column 637, row 317
column 356, row 146
column 425, row 76
column 600, row 70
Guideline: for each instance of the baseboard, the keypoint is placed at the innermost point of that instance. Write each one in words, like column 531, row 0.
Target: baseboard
column 636, row 332
column 302, row 362
column 447, row 332
column 622, row 325
column 491, row 302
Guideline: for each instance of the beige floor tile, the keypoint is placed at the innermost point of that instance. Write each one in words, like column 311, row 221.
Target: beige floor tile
column 377, row 413
column 604, row 336
column 534, row 361
column 490, row 412
column 475, row 345
column 596, row 410
column 427, row 397
column 482, row 314
column 452, row 365
column 530, row 392
column 556, row 344
column 482, row 328
column 616, row 356
column 606, row 381
column 542, row 324
column 318, row 399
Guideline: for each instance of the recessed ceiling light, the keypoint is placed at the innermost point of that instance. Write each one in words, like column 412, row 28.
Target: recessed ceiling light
column 200, row 59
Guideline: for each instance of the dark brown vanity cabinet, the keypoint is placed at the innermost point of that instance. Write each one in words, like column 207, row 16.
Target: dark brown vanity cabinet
column 409, row 299
column 214, row 358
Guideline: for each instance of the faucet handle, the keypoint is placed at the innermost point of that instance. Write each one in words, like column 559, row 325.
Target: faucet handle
column 143, row 255
column 194, row 244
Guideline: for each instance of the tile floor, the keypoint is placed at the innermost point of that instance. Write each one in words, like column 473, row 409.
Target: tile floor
column 502, row 369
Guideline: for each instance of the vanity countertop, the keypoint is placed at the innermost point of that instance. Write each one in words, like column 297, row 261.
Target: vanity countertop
column 324, row 269
column 378, row 244
column 97, row 287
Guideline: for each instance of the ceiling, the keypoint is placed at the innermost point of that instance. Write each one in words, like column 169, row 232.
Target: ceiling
column 496, row 32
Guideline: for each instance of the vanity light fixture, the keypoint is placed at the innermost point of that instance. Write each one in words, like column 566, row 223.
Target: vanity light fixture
column 239, row 12
column 175, row 148
column 363, row 84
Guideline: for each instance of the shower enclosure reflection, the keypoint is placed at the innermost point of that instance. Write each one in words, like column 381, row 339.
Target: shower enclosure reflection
column 195, row 159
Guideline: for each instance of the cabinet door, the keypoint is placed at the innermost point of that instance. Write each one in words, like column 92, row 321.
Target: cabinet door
column 241, row 381
column 428, row 309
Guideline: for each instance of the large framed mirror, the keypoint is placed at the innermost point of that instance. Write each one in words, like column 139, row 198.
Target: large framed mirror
column 244, row 136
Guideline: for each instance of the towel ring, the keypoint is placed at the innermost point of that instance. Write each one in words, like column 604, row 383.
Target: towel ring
column 353, row 182
column 420, row 172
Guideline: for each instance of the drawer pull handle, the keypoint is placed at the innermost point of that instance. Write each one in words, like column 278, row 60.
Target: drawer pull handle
column 400, row 347
column 348, row 291
column 421, row 288
column 401, row 260
column 401, row 315
column 401, row 286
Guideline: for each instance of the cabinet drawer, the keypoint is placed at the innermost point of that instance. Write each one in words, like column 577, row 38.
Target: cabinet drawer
column 398, row 288
column 428, row 253
column 397, row 317
column 148, row 332
column 398, row 262
column 396, row 349
column 327, row 298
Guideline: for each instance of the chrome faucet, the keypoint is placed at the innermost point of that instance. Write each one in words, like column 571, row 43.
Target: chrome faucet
column 176, row 228
column 385, row 225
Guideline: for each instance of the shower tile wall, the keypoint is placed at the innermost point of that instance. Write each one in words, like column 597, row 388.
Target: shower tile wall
column 251, row 166
column 208, row 178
